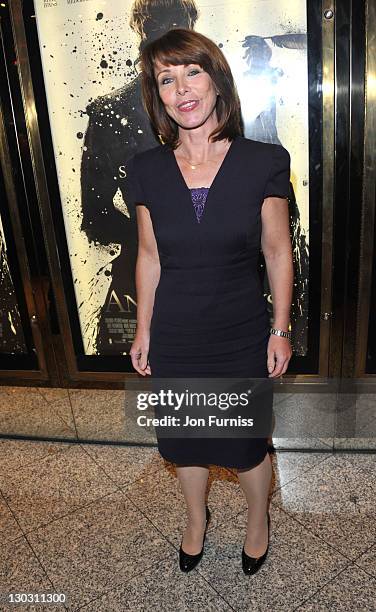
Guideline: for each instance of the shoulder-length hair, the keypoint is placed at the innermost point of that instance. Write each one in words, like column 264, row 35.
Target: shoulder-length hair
column 183, row 46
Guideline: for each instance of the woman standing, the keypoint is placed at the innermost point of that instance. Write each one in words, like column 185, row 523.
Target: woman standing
column 206, row 201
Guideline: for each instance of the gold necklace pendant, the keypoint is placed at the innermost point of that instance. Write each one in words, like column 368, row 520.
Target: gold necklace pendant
column 194, row 166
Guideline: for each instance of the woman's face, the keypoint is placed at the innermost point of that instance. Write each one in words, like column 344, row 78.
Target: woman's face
column 187, row 92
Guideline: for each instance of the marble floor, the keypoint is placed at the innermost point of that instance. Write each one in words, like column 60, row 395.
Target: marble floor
column 102, row 523
column 312, row 421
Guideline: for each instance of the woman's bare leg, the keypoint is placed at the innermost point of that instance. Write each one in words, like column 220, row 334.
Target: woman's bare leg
column 256, row 485
column 193, row 481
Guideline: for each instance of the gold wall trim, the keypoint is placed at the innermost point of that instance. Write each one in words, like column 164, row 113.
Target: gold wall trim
column 368, row 200
column 31, row 118
column 6, row 166
column 328, row 144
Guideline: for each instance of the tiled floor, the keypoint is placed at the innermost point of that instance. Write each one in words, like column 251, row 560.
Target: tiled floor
column 103, row 523
column 319, row 421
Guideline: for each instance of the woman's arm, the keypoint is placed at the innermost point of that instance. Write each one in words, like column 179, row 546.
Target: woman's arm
column 147, row 278
column 277, row 250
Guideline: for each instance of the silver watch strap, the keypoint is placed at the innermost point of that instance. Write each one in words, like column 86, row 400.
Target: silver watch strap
column 280, row 332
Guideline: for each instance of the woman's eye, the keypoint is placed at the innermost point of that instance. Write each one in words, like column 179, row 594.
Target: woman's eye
column 194, row 70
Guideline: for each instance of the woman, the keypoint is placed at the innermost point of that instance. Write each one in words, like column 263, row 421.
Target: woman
column 206, row 200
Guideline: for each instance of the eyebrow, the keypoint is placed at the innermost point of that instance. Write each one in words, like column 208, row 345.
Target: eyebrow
column 165, row 70
column 169, row 69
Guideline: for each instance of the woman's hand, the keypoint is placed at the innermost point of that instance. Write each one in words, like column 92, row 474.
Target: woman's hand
column 139, row 353
column 279, row 355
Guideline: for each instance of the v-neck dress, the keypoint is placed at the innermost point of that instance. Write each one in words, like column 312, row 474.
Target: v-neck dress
column 210, row 317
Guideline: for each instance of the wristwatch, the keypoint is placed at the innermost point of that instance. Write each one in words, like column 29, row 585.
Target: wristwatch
column 280, row 332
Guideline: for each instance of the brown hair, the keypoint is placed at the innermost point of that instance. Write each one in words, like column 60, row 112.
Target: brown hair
column 183, row 46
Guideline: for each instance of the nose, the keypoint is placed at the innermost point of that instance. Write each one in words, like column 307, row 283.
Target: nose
column 181, row 85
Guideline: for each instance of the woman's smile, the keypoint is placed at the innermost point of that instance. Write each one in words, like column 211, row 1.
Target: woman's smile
column 186, row 107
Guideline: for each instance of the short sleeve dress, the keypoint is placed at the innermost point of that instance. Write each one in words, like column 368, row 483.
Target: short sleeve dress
column 210, row 315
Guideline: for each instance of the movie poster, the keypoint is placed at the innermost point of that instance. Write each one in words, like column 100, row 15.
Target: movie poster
column 90, row 56
column 12, row 339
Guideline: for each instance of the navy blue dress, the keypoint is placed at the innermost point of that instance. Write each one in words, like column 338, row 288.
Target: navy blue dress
column 210, row 316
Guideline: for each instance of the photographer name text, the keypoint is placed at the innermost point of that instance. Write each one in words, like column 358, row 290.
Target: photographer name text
column 210, row 421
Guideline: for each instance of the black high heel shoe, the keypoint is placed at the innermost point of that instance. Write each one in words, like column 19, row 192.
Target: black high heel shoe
column 251, row 564
column 188, row 562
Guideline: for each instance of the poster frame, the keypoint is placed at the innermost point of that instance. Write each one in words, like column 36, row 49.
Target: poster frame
column 83, row 367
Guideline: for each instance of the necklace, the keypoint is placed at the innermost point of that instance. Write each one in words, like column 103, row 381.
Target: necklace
column 193, row 166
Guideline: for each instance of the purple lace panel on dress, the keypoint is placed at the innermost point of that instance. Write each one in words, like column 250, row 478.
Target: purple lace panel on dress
column 199, row 195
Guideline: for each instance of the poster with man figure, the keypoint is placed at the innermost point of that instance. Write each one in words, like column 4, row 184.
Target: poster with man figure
column 90, row 56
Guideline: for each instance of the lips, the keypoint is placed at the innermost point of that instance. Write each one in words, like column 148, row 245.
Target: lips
column 188, row 105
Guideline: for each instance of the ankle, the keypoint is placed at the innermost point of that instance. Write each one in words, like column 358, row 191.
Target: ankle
column 196, row 516
column 256, row 517
column 196, row 524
